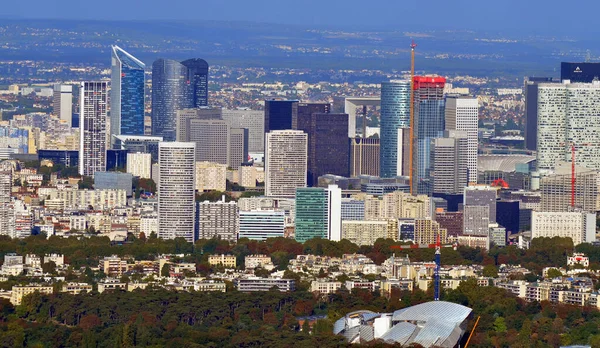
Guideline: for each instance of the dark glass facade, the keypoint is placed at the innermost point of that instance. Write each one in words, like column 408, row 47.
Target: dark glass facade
column 305, row 111
column 176, row 86
column 531, row 110
column 579, row 72
column 328, row 150
column 281, row 115
column 127, row 94
column 116, row 159
column 197, row 70
column 507, row 215
column 68, row 158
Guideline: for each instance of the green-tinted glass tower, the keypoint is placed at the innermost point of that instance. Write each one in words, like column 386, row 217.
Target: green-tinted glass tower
column 311, row 213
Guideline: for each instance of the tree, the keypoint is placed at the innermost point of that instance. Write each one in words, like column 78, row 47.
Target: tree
column 554, row 273
column 490, row 271
column 49, row 267
column 166, row 270
column 500, row 325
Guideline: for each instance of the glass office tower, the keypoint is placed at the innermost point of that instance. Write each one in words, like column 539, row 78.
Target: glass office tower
column 429, row 122
column 311, row 213
column 127, row 94
column 395, row 114
column 197, row 70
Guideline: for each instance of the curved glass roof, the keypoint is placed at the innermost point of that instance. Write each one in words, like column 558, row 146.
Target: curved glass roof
column 440, row 310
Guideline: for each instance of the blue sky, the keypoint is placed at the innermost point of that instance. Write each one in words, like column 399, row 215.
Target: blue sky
column 541, row 17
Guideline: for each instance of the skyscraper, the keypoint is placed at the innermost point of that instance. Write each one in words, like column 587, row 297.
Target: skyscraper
column 429, row 117
column 556, row 189
column 62, row 103
column 328, row 151
column 285, row 162
column 217, row 220
column 567, row 115
column 197, row 75
column 127, row 94
column 176, row 190
column 253, row 121
column 395, row 115
column 531, row 110
column 211, row 138
column 462, row 115
column 170, row 92
column 305, row 111
column 449, row 162
column 364, row 156
column 482, row 195
column 92, row 127
column 579, row 72
column 318, row 213
column 281, row 115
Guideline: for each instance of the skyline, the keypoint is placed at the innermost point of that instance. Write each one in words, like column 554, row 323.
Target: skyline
column 512, row 17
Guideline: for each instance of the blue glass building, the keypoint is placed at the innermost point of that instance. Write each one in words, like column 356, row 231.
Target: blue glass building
column 429, row 123
column 395, row 114
column 176, row 86
column 127, row 94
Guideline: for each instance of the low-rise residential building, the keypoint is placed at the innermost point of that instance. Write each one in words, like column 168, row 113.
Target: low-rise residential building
column 265, row 284
column 228, row 261
column 76, row 288
column 325, row 287
column 113, row 266
column 19, row 291
column 111, row 284
column 262, row 261
column 58, row 259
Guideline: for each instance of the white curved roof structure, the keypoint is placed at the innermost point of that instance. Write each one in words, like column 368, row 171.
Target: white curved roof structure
column 502, row 163
column 430, row 324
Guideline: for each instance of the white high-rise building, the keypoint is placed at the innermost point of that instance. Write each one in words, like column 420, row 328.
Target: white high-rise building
column 462, row 114
column 568, row 114
column 261, row 224
column 5, row 186
column 334, row 211
column 218, row 220
column 449, row 161
column 579, row 226
column 285, row 162
column 7, row 214
column 63, row 103
column 176, row 196
column 92, row 127
column 140, row 164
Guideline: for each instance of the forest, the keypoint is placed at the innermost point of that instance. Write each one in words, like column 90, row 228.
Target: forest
column 159, row 317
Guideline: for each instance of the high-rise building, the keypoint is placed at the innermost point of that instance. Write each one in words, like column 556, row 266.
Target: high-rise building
column 429, row 116
column 364, row 156
column 140, row 164
column 176, row 198
column 461, row 114
column 476, row 220
column 197, row 75
column 306, row 110
column 171, row 91
column 211, row 176
column 451, row 221
column 395, row 115
column 318, row 213
column 261, row 224
column 367, row 232
column 238, row 147
column 138, row 143
column 427, row 232
column 579, row 72
column 92, row 127
column 285, row 162
column 564, row 120
column 579, row 226
column 352, row 209
column 5, row 186
column 126, row 94
column 217, row 220
column 449, row 162
column 62, row 103
column 556, row 189
column 253, row 121
column 531, row 110
column 184, row 116
column 212, row 140
column 281, row 115
column 482, row 195
column 328, row 151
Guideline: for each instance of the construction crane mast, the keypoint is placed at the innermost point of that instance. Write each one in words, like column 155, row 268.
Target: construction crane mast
column 413, row 45
column 438, row 254
column 572, row 175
